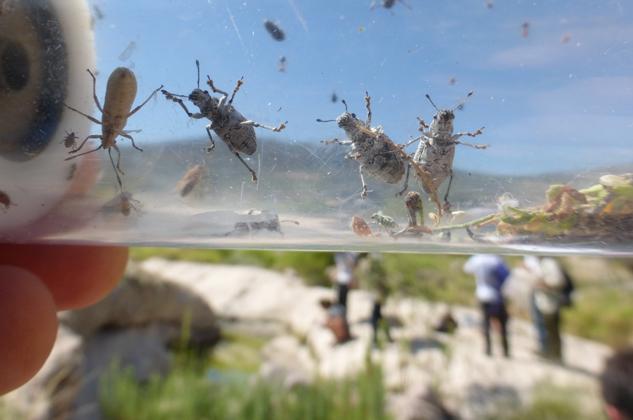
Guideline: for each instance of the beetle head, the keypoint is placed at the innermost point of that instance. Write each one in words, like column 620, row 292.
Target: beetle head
column 202, row 99
column 346, row 120
column 443, row 121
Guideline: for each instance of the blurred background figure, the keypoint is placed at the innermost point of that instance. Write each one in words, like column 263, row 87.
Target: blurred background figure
column 344, row 275
column 552, row 289
column 617, row 385
column 373, row 277
column 490, row 273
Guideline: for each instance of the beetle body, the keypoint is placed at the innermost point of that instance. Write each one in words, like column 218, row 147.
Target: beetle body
column 227, row 122
column 117, row 108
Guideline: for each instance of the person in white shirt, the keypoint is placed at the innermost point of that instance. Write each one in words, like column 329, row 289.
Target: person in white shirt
column 490, row 273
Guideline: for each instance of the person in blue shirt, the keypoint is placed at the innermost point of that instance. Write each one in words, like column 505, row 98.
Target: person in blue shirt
column 490, row 273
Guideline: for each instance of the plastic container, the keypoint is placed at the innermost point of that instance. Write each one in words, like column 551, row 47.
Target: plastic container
column 551, row 85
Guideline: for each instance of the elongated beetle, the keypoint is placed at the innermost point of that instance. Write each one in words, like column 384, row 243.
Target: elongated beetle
column 228, row 123
column 388, row 4
column 120, row 95
column 436, row 151
column 377, row 154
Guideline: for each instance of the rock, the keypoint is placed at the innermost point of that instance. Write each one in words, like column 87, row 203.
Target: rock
column 420, row 403
column 287, row 361
column 142, row 299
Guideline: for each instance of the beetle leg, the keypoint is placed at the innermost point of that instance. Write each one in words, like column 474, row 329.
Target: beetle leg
column 447, row 205
column 406, row 181
column 127, row 136
column 94, row 90
column 363, row 193
column 118, row 160
column 255, row 124
column 253, row 174
column 368, row 106
column 213, row 88
column 237, row 87
column 337, row 141
column 91, row 118
column 135, row 110
column 94, row 136
column 116, row 167
column 210, row 148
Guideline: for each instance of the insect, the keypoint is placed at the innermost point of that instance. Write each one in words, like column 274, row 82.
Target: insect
column 388, row 4
column 274, row 30
column 565, row 39
column 452, row 81
column 360, row 227
column 436, row 151
column 227, row 122
column 123, row 203
column 377, row 154
column 70, row 141
column 386, row 222
column 282, row 64
column 5, row 200
column 525, row 29
column 189, row 181
column 490, row 4
column 334, row 98
column 414, row 205
column 120, row 95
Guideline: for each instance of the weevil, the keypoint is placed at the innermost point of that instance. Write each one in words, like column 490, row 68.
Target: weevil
column 388, row 4
column 227, row 122
column 386, row 222
column 190, row 179
column 376, row 153
column 70, row 141
column 274, row 30
column 360, row 227
column 117, row 108
column 436, row 151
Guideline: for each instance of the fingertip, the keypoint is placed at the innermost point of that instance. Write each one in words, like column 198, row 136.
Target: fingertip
column 28, row 326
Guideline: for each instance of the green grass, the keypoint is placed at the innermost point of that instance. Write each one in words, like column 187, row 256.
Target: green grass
column 237, row 352
column 549, row 402
column 186, row 394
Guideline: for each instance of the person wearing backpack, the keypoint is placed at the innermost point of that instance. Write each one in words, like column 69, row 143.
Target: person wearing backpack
column 491, row 273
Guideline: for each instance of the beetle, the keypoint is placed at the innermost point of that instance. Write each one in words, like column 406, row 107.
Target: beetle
column 377, row 154
column 120, row 95
column 274, row 30
column 227, row 122
column 436, row 151
column 190, row 179
column 360, row 227
column 386, row 222
column 388, row 4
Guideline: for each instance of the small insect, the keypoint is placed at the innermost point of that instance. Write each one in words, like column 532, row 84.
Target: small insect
column 452, row 81
column 71, row 171
column 191, row 178
column 360, row 227
column 227, row 122
column 386, row 222
column 5, row 201
column 123, row 203
column 282, row 64
column 120, row 95
column 414, row 205
column 436, row 151
column 377, row 154
column 388, row 4
column 525, row 29
column 334, row 98
column 70, row 141
column 274, row 30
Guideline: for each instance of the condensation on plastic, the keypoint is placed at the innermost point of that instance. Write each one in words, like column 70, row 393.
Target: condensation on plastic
column 307, row 192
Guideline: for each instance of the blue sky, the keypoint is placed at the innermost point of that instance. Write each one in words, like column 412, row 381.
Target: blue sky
column 546, row 105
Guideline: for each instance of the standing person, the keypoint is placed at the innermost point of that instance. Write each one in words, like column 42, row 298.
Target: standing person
column 373, row 277
column 490, row 273
column 344, row 275
column 616, row 383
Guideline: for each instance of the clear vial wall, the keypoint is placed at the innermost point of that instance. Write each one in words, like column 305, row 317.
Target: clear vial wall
column 551, row 86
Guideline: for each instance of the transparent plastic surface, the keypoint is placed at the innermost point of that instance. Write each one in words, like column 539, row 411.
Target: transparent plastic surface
column 548, row 172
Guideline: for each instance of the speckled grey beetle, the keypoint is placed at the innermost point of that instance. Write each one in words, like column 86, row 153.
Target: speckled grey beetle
column 377, row 154
column 227, row 122
column 436, row 150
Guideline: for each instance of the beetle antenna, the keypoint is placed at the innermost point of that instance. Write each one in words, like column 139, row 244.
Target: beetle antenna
column 460, row 105
column 344, row 103
column 325, row 121
column 432, row 103
column 198, row 67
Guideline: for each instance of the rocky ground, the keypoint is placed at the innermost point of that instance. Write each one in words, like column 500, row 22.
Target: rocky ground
column 141, row 316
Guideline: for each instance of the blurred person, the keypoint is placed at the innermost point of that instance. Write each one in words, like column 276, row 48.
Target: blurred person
column 344, row 275
column 373, row 277
column 552, row 289
column 616, row 383
column 490, row 273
